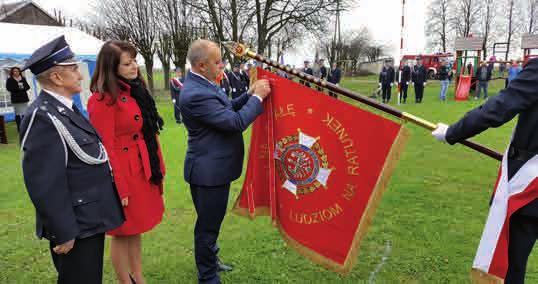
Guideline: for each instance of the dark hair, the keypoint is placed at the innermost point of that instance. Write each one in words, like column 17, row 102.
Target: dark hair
column 13, row 69
column 105, row 79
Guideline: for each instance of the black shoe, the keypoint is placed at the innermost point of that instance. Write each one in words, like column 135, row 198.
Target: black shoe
column 221, row 267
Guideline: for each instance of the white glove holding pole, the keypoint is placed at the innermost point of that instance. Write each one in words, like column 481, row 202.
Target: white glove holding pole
column 440, row 132
column 379, row 85
column 424, row 83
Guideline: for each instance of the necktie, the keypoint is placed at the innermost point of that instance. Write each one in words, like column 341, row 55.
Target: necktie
column 76, row 110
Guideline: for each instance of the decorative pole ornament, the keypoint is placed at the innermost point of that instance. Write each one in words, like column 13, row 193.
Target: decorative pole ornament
column 241, row 50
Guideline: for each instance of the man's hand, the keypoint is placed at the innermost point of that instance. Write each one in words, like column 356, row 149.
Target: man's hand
column 440, row 132
column 391, row 84
column 424, row 83
column 261, row 88
column 64, row 248
column 379, row 85
column 125, row 201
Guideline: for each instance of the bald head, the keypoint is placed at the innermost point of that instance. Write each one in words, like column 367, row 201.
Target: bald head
column 199, row 51
column 205, row 58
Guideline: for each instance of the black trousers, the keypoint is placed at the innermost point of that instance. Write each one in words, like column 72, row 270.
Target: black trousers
column 386, row 89
column 83, row 264
column 18, row 120
column 403, row 91
column 523, row 235
column 419, row 92
column 210, row 203
column 177, row 113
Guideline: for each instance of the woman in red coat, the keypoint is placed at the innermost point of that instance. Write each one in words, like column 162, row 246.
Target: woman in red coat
column 124, row 114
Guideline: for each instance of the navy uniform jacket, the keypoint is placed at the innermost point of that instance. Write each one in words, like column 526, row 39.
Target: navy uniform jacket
column 215, row 125
column 406, row 74
column 386, row 76
column 419, row 74
column 72, row 199
column 521, row 97
column 237, row 84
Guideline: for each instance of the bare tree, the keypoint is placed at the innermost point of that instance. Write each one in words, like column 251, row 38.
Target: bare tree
column 466, row 16
column 135, row 21
column 513, row 23
column 488, row 7
column 532, row 16
column 438, row 24
column 182, row 25
column 273, row 15
column 164, row 52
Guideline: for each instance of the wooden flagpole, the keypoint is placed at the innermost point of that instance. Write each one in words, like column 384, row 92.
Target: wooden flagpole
column 242, row 51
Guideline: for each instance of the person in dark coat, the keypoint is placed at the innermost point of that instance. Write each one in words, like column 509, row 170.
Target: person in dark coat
column 334, row 76
column 386, row 80
column 176, row 84
column 420, row 76
column 215, row 148
column 66, row 170
column 238, row 84
column 483, row 75
column 521, row 158
column 245, row 76
column 307, row 70
column 405, row 79
column 323, row 69
column 18, row 88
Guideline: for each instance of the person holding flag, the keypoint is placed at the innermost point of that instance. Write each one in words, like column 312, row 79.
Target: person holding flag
column 511, row 229
column 215, row 148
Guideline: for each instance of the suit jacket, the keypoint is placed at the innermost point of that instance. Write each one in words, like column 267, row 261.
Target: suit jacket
column 215, row 125
column 419, row 74
column 72, row 199
column 519, row 98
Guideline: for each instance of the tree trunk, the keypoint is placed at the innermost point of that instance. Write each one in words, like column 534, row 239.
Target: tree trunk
column 149, row 71
column 166, row 71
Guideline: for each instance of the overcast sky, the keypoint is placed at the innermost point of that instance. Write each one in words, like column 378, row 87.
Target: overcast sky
column 382, row 17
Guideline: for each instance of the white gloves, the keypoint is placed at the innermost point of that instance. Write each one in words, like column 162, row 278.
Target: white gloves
column 440, row 132
column 173, row 101
column 413, row 83
column 391, row 84
column 407, row 83
column 380, row 85
column 424, row 83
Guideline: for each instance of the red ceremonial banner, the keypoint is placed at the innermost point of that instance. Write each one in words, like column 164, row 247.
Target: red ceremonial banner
column 318, row 167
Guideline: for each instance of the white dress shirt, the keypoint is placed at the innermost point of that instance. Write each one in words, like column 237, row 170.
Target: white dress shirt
column 68, row 102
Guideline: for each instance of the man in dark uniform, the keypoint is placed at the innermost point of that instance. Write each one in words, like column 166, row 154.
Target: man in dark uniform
column 238, row 85
column 176, row 84
column 66, row 169
column 322, row 69
column 420, row 76
column 215, row 152
column 335, row 75
column 244, row 74
column 307, row 70
column 386, row 80
column 520, row 98
column 405, row 79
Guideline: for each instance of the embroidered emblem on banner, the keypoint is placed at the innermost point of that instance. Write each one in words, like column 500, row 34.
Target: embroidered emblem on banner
column 302, row 163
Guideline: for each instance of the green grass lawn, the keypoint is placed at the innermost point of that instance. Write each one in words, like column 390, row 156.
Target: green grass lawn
column 426, row 229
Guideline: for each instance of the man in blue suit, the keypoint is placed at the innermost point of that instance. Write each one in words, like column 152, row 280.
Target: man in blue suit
column 215, row 147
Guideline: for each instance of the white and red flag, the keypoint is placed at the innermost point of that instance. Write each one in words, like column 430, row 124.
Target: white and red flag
column 491, row 261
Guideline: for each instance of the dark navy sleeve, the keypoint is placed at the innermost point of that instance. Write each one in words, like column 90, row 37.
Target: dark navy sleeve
column 44, row 171
column 521, row 94
column 240, row 101
column 211, row 111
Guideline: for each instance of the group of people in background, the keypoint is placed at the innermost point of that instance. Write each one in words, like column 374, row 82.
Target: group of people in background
column 415, row 75
column 319, row 70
